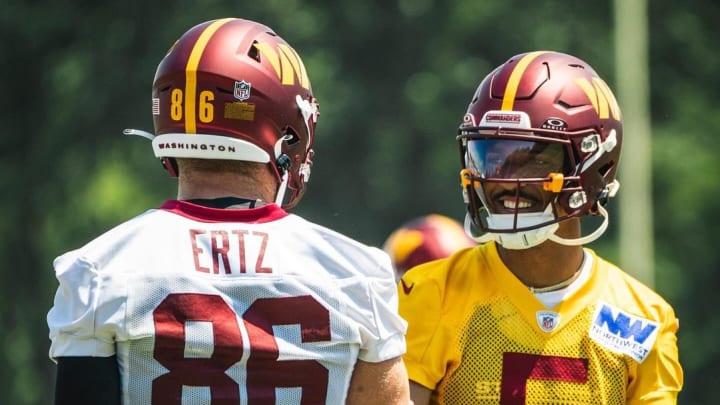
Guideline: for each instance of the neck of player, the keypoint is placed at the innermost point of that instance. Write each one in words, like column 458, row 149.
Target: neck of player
column 548, row 264
column 198, row 184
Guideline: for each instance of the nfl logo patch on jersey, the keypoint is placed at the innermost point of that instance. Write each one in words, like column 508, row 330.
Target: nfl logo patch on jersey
column 547, row 320
column 622, row 332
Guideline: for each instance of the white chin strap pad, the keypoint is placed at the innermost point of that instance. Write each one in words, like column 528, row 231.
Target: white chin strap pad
column 528, row 239
column 525, row 239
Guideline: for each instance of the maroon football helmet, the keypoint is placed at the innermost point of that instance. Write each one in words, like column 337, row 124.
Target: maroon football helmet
column 424, row 239
column 542, row 118
column 233, row 89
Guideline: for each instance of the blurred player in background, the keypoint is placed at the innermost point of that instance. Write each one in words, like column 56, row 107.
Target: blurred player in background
column 531, row 316
column 222, row 296
column 424, row 239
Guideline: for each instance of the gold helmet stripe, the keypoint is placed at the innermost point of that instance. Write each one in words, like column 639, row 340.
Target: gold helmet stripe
column 191, row 73
column 514, row 80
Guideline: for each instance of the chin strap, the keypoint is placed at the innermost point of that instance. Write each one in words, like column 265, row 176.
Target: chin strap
column 528, row 239
column 588, row 238
column 281, row 189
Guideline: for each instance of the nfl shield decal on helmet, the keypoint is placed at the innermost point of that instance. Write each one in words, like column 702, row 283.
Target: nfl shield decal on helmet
column 547, row 320
column 242, row 90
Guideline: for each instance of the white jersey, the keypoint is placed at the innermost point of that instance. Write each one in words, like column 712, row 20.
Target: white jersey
column 229, row 306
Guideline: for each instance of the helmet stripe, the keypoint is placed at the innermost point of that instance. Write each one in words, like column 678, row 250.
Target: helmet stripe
column 191, row 73
column 514, row 80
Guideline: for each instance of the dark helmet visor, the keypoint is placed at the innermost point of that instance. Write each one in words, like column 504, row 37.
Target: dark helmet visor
column 514, row 159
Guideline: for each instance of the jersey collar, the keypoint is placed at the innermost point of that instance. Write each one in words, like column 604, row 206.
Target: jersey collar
column 265, row 213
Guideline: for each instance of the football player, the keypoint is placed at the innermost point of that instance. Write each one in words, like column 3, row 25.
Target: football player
column 532, row 316
column 423, row 239
column 222, row 296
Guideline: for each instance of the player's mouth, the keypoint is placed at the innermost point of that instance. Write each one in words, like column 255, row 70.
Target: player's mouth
column 514, row 204
column 510, row 203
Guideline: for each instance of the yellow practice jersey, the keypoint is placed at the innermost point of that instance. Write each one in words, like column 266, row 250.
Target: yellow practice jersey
column 477, row 335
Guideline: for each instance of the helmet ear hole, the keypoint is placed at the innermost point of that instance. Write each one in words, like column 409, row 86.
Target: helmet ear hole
column 606, row 168
column 291, row 137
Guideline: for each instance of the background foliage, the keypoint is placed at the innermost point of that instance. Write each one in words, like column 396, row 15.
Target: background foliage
column 393, row 79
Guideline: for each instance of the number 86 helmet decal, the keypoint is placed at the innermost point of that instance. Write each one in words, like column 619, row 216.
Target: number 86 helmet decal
column 233, row 89
column 540, row 143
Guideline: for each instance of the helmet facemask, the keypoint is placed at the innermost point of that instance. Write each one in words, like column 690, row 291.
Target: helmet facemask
column 519, row 184
column 514, row 180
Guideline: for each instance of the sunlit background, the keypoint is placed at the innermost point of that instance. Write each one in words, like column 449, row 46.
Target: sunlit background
column 393, row 78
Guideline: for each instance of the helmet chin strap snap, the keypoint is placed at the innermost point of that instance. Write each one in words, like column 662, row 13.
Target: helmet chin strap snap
column 534, row 237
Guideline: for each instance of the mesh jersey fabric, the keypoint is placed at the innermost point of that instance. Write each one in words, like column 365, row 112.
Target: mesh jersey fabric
column 204, row 304
column 477, row 335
